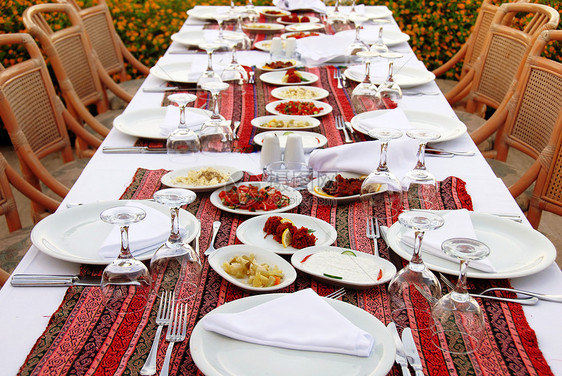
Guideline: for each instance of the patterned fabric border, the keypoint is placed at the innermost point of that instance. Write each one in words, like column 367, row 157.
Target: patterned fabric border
column 83, row 338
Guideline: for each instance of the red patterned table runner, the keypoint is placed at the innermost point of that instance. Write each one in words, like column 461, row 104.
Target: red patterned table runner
column 83, row 338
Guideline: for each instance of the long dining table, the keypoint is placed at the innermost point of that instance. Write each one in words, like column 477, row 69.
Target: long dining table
column 44, row 331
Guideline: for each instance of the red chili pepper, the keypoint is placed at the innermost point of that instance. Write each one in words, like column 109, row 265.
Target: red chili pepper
column 380, row 275
column 306, row 258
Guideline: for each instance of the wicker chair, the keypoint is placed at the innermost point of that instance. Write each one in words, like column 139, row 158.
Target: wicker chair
column 109, row 47
column 17, row 242
column 79, row 72
column 514, row 29
column 528, row 127
column 37, row 121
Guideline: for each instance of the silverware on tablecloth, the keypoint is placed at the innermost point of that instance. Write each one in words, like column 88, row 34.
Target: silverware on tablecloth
column 163, row 318
column 252, row 79
column 337, row 76
column 211, row 249
column 133, row 150
column 159, row 89
column 177, row 331
column 340, row 125
column 548, row 297
column 453, row 152
column 400, row 354
column 50, row 280
column 235, row 129
column 336, row 294
column 373, row 232
column 411, row 351
column 415, row 93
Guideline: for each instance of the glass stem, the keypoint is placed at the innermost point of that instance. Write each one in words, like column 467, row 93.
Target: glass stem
column 209, row 61
column 382, row 162
column 357, row 29
column 390, row 78
column 182, row 117
column 175, row 231
column 221, row 35
column 216, row 109
column 416, row 262
column 367, row 79
column 420, row 165
column 461, row 292
column 125, row 252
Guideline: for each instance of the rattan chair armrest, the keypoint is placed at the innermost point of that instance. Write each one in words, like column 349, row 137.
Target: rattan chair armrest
column 461, row 89
column 108, row 82
column 495, row 122
column 526, row 180
column 80, row 131
column 30, row 191
column 134, row 61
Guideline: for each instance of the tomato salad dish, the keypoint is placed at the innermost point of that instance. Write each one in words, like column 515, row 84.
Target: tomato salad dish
column 253, row 198
column 298, row 108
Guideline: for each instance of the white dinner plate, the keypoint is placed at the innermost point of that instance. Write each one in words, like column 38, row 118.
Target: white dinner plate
column 310, row 140
column 251, row 232
column 516, row 250
column 193, row 38
column 262, row 256
column 448, row 127
column 257, row 27
column 170, row 178
column 405, row 77
column 363, row 280
column 311, row 19
column 292, row 34
column 265, row 45
column 146, row 123
column 306, row 26
column 287, row 92
column 176, row 72
column 218, row 355
column 295, row 198
column 76, row 234
column 204, row 13
column 321, row 180
column 275, row 78
column 260, row 122
column 324, row 107
column 377, row 12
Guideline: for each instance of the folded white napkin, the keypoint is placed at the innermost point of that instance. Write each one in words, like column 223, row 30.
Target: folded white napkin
column 299, row 321
column 323, row 48
column 315, row 5
column 193, row 120
column 457, row 225
column 150, row 233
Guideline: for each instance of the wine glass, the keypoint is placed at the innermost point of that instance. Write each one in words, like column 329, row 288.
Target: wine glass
column 216, row 134
column 357, row 44
column 220, row 18
column 182, row 141
column 176, row 259
column 235, row 73
column 406, row 302
column 419, row 177
column 389, row 89
column 364, row 96
column 209, row 75
column 126, row 280
column 459, row 323
column 381, row 191
column 379, row 45
column 336, row 15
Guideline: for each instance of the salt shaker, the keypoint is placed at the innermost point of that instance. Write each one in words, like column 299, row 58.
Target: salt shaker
column 294, row 150
column 270, row 150
column 276, row 50
column 290, row 48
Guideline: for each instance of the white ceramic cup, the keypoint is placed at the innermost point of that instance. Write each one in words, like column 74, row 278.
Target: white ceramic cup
column 290, row 48
column 270, row 150
column 294, row 151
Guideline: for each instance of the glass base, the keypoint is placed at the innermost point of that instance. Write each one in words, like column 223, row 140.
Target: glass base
column 126, row 286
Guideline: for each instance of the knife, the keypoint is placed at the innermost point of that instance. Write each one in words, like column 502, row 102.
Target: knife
column 411, row 351
column 442, row 151
column 49, row 280
column 400, row 354
column 133, row 149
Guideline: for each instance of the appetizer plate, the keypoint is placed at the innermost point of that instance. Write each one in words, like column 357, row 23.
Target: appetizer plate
column 76, row 234
column 251, row 232
column 311, row 19
column 265, row 45
column 310, row 140
column 176, row 72
column 357, row 272
column 308, row 26
column 315, row 187
column 295, row 198
column 325, row 107
column 448, row 127
column 262, row 256
column 275, row 78
column 267, row 69
column 261, row 122
column 516, row 249
column 169, row 179
column 274, row 13
column 300, row 34
column 146, row 123
column 218, row 355
column 405, row 77
column 300, row 92
column 263, row 27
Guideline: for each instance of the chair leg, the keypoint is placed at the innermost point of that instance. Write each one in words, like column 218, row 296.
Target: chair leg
column 4, row 275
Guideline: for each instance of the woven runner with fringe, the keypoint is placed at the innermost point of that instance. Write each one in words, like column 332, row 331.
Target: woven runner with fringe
column 82, row 338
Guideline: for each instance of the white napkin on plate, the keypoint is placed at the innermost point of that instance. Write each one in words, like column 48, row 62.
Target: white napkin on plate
column 323, row 48
column 193, row 120
column 315, row 5
column 150, row 233
column 394, row 118
column 299, row 321
column 457, row 225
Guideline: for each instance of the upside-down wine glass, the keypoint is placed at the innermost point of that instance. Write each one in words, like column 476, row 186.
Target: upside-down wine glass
column 381, row 191
column 419, row 177
column 407, row 304
column 390, row 89
column 336, row 15
column 216, row 134
column 379, row 45
column 459, row 323
column 183, row 141
column 234, row 73
column 176, row 260
column 125, row 280
column 209, row 75
column 357, row 44
column 364, row 96
column 220, row 18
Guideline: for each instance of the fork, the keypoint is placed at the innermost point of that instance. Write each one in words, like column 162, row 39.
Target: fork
column 336, row 294
column 340, row 126
column 337, row 76
column 163, row 318
column 524, row 301
column 176, row 333
column 373, row 231
column 211, row 249
column 252, row 80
